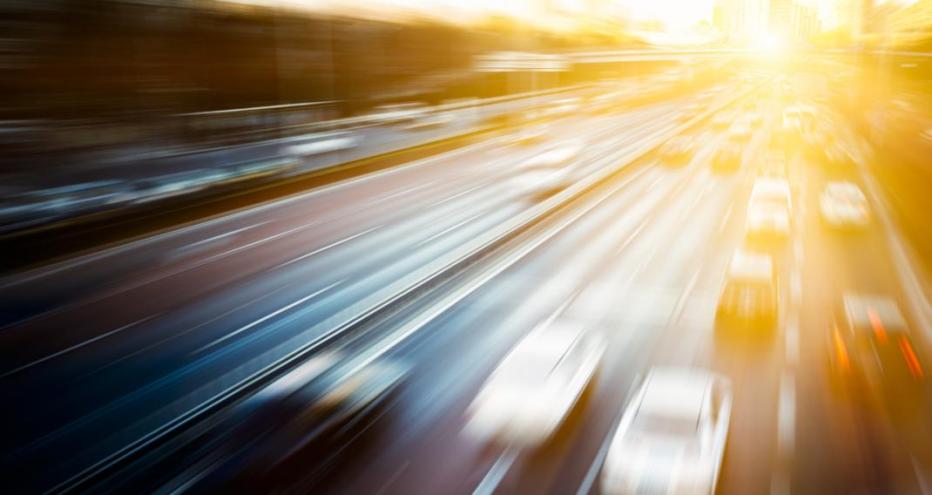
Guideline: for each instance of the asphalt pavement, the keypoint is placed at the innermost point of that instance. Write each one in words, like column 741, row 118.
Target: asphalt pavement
column 101, row 350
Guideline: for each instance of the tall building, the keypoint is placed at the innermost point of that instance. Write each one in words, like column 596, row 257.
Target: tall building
column 791, row 20
column 740, row 20
column 804, row 21
column 780, row 18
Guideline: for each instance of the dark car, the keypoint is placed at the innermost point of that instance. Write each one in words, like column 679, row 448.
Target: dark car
column 324, row 401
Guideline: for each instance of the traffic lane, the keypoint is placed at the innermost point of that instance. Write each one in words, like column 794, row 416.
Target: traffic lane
column 194, row 265
column 357, row 257
column 356, row 200
column 185, row 261
column 456, row 354
column 129, row 413
column 114, row 382
column 191, row 276
column 366, row 198
column 421, row 414
column 663, row 305
column 446, row 459
column 862, row 446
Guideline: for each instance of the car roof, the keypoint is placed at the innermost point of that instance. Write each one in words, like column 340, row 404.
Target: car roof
column 678, row 392
column 770, row 185
column 864, row 311
column 552, row 340
column 848, row 189
column 750, row 266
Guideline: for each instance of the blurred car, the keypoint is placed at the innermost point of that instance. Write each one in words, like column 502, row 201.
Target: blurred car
column 324, row 398
column 871, row 349
column 174, row 184
column 323, row 143
column 774, row 165
column 739, row 132
column 538, row 384
column 398, row 113
column 690, row 112
column 722, row 121
column 561, row 107
column 767, row 222
column 768, row 213
column 727, row 158
column 427, row 122
column 30, row 206
column 672, row 435
column 678, row 150
column 749, row 298
column 528, row 136
column 550, row 170
column 772, row 190
column 837, row 158
column 842, row 205
column 605, row 102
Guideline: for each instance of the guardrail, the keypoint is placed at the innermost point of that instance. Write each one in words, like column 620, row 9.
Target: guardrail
column 238, row 383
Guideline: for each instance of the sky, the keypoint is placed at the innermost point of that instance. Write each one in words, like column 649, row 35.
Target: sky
column 674, row 14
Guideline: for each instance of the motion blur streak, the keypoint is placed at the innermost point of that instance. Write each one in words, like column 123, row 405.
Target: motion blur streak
column 386, row 247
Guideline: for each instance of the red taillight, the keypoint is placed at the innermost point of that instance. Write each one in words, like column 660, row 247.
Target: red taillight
column 879, row 331
column 840, row 350
column 911, row 361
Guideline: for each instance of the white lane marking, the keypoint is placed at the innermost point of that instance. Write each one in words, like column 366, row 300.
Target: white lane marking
column 725, row 219
column 77, row 346
column 193, row 248
column 158, row 277
column 684, row 297
column 406, row 190
column 786, row 416
column 796, row 288
column 266, row 317
column 589, row 480
column 791, row 343
column 798, row 250
column 780, row 485
column 920, row 477
column 457, row 195
column 449, row 229
column 497, row 473
column 324, row 248
column 252, row 244
column 223, row 235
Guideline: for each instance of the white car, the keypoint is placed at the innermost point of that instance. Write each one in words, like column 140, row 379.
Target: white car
column 561, row 107
column 432, row 121
column 537, row 385
column 768, row 214
column 740, row 132
column 550, row 170
column 843, row 205
column 323, row 143
column 722, row 121
column 399, row 113
column 775, row 190
column 767, row 221
column 671, row 438
column 749, row 298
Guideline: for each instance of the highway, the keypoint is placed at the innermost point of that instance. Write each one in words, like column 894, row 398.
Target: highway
column 102, row 350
